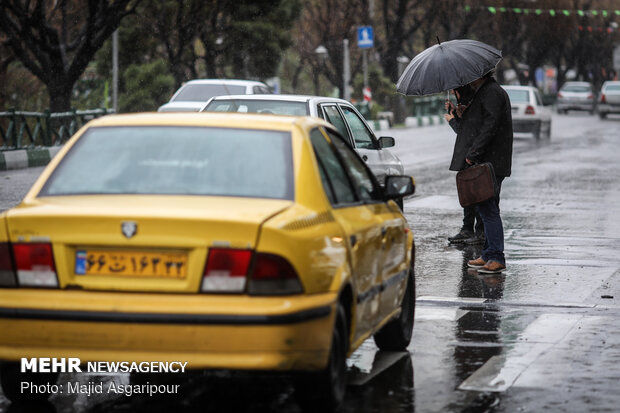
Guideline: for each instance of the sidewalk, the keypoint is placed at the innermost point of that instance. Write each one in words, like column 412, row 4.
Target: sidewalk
column 26, row 158
column 419, row 121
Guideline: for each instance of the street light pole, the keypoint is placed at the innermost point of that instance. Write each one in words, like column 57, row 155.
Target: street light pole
column 365, row 65
column 321, row 52
column 115, row 70
column 346, row 70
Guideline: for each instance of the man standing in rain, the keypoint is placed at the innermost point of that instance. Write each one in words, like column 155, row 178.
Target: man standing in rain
column 472, row 231
column 484, row 134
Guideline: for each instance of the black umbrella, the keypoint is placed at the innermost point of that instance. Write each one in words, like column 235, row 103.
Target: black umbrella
column 446, row 66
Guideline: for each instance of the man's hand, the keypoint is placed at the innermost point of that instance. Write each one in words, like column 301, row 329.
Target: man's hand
column 448, row 117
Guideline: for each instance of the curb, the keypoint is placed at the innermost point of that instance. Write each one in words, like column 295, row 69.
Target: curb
column 26, row 158
column 377, row 125
column 420, row 121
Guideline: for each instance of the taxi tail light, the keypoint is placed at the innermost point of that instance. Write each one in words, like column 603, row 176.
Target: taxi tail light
column 530, row 110
column 273, row 275
column 226, row 270
column 603, row 98
column 7, row 269
column 35, row 265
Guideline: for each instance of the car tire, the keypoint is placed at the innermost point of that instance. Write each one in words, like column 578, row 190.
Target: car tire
column 11, row 378
column 602, row 115
column 396, row 335
column 537, row 132
column 324, row 391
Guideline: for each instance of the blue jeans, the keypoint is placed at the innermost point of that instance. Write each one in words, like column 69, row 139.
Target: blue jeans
column 493, row 230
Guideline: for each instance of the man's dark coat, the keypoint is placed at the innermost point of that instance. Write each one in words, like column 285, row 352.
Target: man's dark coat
column 484, row 132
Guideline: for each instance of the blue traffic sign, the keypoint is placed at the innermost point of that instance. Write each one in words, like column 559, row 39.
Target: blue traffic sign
column 365, row 37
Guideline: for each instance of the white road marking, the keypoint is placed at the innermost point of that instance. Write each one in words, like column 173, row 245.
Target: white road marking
column 439, row 313
column 500, row 372
column 485, row 302
column 381, row 362
column 451, row 300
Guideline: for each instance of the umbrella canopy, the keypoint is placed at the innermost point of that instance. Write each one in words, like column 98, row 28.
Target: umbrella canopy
column 446, row 66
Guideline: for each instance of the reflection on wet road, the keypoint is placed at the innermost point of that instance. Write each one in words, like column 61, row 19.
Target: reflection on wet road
column 542, row 336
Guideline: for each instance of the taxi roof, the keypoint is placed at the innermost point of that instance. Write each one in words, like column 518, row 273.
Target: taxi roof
column 220, row 119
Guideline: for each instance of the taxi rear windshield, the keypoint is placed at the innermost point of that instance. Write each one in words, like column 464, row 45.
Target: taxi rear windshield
column 176, row 160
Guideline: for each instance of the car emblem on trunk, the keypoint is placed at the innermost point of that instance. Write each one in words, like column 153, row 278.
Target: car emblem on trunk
column 129, row 228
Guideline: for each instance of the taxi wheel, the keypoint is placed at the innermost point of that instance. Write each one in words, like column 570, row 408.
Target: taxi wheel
column 396, row 335
column 11, row 378
column 324, row 391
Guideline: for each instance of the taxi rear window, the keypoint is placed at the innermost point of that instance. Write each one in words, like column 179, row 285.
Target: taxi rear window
column 176, row 160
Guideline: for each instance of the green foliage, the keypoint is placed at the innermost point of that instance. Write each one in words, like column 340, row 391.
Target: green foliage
column 135, row 45
column 147, row 86
column 88, row 93
column 380, row 85
column 257, row 36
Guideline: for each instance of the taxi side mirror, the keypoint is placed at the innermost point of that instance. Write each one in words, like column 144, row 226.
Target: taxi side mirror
column 386, row 142
column 398, row 186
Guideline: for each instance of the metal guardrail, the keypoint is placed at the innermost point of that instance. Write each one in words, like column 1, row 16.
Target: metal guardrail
column 21, row 129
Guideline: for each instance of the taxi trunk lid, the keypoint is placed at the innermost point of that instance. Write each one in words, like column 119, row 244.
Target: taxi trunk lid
column 138, row 243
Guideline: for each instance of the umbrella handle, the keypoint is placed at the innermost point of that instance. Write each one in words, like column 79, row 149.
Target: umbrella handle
column 447, row 100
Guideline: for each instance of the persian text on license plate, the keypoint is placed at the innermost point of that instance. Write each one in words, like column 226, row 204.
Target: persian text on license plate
column 131, row 264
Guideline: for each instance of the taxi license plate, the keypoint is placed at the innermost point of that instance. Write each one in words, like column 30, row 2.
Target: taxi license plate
column 131, row 264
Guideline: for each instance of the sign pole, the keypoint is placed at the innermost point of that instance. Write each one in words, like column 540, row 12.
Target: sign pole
column 115, row 70
column 346, row 75
column 365, row 65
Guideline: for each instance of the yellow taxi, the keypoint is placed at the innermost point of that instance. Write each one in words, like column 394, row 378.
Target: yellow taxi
column 227, row 241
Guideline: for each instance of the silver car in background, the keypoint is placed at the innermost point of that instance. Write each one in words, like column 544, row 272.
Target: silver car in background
column 576, row 96
column 528, row 113
column 193, row 95
column 341, row 113
column 609, row 100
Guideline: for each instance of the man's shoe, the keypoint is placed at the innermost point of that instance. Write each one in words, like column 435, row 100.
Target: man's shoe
column 461, row 237
column 492, row 267
column 477, row 263
column 476, row 239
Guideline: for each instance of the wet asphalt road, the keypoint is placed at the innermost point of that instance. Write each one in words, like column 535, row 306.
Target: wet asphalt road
column 542, row 336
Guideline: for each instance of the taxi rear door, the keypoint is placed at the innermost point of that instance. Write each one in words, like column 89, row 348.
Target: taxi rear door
column 390, row 240
column 361, row 228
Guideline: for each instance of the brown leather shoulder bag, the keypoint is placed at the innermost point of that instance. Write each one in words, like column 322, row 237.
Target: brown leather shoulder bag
column 475, row 184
